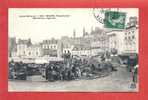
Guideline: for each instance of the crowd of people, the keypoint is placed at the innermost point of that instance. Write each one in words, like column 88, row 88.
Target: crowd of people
column 61, row 71
column 17, row 70
column 69, row 69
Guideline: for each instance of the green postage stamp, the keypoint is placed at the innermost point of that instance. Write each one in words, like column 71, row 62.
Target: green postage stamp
column 114, row 19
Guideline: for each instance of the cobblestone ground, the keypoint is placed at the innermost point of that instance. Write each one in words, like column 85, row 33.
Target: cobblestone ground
column 118, row 81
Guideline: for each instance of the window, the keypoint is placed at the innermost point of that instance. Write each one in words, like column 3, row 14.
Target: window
column 37, row 53
column 126, row 43
column 129, row 32
column 44, row 46
column 129, row 38
column 133, row 37
column 132, row 31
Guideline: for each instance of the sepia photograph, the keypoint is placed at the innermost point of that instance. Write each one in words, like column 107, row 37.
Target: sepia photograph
column 73, row 49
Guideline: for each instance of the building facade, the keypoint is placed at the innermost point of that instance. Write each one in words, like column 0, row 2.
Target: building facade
column 116, row 41
column 22, row 46
column 34, row 51
column 50, row 47
column 25, row 49
column 80, row 50
column 99, row 41
column 131, row 39
column 12, row 47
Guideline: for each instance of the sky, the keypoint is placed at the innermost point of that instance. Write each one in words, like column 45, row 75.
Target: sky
column 66, row 20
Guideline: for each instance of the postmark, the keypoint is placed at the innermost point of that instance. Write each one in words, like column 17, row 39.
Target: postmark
column 99, row 14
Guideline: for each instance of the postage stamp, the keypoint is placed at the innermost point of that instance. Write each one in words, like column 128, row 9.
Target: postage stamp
column 114, row 19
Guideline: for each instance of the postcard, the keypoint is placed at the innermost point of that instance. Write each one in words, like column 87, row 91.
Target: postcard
column 73, row 49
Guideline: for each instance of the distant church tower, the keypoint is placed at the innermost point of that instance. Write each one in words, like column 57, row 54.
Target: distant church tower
column 91, row 28
column 60, row 49
column 74, row 33
column 84, row 33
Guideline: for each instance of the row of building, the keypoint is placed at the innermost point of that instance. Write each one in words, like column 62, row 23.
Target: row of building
column 90, row 44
